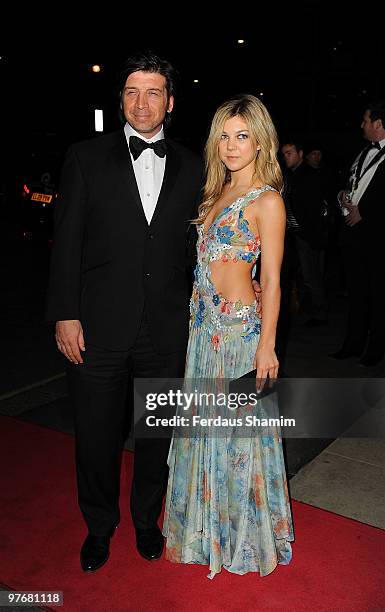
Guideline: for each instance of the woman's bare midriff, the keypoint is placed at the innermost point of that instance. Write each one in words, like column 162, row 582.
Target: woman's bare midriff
column 232, row 280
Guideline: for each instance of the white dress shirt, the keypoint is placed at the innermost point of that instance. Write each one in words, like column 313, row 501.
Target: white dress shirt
column 372, row 153
column 367, row 177
column 149, row 172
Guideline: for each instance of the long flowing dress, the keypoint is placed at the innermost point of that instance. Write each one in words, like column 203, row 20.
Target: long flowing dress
column 227, row 501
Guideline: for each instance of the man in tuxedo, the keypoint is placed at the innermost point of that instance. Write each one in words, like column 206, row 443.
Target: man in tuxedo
column 119, row 293
column 362, row 237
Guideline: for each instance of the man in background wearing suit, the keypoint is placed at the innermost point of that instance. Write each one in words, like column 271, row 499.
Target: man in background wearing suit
column 305, row 239
column 119, row 294
column 362, row 241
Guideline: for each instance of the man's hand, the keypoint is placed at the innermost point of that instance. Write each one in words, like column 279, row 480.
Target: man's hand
column 344, row 197
column 354, row 215
column 258, row 297
column 70, row 340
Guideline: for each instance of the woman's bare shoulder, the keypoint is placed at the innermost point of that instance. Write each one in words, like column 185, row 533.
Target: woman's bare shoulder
column 269, row 201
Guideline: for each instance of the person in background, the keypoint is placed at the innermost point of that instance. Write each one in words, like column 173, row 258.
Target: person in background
column 305, row 212
column 362, row 204
column 315, row 157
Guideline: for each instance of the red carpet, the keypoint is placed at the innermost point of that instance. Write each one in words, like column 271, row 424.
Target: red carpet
column 338, row 564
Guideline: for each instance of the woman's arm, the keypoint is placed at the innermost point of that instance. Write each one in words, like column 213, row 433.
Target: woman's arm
column 271, row 221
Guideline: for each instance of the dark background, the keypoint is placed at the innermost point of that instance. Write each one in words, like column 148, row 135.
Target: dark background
column 317, row 64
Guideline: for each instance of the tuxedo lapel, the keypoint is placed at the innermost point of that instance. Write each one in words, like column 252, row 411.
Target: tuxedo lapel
column 378, row 157
column 170, row 176
column 122, row 159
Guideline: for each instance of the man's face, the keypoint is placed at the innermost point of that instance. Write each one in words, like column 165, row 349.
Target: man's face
column 368, row 127
column 314, row 158
column 291, row 156
column 145, row 102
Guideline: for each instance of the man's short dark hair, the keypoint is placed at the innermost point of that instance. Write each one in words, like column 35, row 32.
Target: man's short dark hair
column 312, row 145
column 377, row 111
column 294, row 142
column 147, row 62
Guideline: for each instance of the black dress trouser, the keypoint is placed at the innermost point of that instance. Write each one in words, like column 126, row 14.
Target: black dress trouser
column 365, row 284
column 98, row 389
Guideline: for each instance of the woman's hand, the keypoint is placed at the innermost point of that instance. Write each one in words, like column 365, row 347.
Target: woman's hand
column 266, row 364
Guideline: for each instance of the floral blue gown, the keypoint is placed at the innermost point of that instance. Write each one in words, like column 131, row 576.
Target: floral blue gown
column 227, row 501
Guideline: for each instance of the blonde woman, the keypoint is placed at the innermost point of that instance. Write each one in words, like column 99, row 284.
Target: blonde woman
column 227, row 502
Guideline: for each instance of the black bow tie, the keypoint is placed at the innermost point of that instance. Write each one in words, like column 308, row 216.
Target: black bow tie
column 137, row 146
column 374, row 145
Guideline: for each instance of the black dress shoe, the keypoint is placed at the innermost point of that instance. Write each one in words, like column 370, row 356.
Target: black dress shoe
column 344, row 353
column 369, row 361
column 95, row 551
column 150, row 543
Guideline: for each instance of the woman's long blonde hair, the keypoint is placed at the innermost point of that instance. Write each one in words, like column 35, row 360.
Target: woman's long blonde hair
column 262, row 131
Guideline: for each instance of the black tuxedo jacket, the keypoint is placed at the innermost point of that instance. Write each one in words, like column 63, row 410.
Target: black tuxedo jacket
column 372, row 211
column 107, row 262
column 368, row 234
